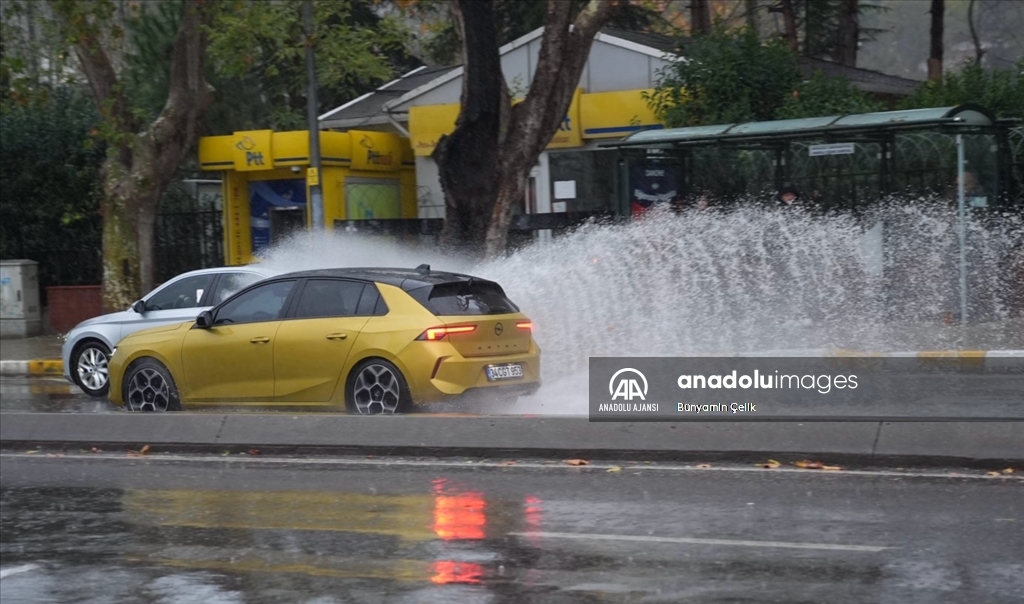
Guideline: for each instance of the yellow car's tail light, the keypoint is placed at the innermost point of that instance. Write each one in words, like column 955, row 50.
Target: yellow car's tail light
column 436, row 333
column 525, row 325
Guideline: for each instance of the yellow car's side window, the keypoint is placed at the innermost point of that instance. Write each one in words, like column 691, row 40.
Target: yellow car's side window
column 262, row 303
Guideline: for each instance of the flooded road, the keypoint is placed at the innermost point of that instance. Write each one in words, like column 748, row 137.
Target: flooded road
column 106, row 527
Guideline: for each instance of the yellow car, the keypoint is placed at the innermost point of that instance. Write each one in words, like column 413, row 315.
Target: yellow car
column 371, row 340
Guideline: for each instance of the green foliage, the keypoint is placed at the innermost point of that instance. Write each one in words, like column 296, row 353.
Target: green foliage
column 732, row 77
column 726, row 77
column 822, row 95
column 998, row 90
column 148, row 68
column 50, row 169
column 258, row 52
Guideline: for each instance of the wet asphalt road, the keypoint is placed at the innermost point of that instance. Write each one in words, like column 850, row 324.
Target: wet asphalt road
column 106, row 527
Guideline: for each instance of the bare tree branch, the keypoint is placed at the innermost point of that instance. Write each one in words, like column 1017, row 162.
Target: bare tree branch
column 88, row 44
column 979, row 52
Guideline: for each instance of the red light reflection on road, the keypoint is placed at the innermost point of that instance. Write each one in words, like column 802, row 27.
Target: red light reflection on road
column 448, row 571
column 458, row 515
column 533, row 517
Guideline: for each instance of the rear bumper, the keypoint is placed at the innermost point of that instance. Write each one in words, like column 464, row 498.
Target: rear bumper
column 456, row 375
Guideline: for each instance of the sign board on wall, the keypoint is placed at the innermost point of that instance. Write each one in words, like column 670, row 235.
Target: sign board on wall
column 570, row 132
column 253, row 150
column 428, row 123
column 565, row 189
column 831, row 149
column 616, row 114
column 376, row 151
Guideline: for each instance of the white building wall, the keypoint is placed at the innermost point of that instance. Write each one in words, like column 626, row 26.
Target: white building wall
column 429, row 196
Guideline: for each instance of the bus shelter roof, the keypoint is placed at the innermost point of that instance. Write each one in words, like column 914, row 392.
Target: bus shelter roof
column 958, row 116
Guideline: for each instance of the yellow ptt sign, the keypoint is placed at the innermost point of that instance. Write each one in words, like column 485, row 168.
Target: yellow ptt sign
column 376, row 151
column 253, row 150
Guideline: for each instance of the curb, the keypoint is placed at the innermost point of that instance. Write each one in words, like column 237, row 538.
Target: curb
column 47, row 367
column 881, row 443
column 35, row 367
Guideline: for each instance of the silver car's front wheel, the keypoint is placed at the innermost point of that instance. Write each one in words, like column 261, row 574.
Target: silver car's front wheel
column 90, row 368
column 149, row 387
column 377, row 387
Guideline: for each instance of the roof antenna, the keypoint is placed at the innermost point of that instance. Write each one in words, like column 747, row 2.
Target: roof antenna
column 423, row 268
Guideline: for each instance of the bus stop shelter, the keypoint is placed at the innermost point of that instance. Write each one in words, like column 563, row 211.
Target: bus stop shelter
column 838, row 162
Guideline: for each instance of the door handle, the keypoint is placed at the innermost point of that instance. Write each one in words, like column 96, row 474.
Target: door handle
column 337, row 336
column 260, row 340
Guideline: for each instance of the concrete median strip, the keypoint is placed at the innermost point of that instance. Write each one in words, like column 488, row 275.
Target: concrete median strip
column 870, row 442
column 46, row 367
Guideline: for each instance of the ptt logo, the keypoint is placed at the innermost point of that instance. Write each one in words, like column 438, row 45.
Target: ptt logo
column 627, row 387
column 251, row 157
column 565, row 125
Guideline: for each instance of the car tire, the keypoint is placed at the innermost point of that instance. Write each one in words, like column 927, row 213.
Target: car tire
column 149, row 386
column 89, row 362
column 375, row 387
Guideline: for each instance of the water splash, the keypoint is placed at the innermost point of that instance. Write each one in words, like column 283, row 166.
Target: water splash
column 747, row 280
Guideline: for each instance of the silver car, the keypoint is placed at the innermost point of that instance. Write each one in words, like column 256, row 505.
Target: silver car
column 87, row 347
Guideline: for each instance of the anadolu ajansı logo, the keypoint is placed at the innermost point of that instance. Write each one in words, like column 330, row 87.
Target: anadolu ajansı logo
column 627, row 387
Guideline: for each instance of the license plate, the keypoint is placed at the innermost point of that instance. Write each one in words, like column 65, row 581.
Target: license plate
column 504, row 372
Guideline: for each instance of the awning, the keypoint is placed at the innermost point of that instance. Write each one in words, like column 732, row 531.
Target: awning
column 961, row 115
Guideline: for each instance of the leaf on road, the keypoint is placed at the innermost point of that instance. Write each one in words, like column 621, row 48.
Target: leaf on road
column 771, row 464
column 831, row 468
column 577, row 462
column 704, row 466
column 1008, row 471
column 144, row 450
column 809, row 465
column 31, row 452
column 254, row 451
column 96, row 450
column 507, row 463
column 992, row 474
column 614, row 469
column 225, row 453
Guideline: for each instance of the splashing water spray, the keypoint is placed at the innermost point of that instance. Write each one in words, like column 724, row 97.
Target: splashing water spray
column 750, row 280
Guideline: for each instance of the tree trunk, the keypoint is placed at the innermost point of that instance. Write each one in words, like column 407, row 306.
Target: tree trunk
column 140, row 164
column 849, row 32
column 467, row 159
column 938, row 11
column 484, row 163
column 121, row 256
column 565, row 47
column 700, row 17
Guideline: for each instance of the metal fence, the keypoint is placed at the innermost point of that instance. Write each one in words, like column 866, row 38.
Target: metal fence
column 186, row 241
column 188, row 235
